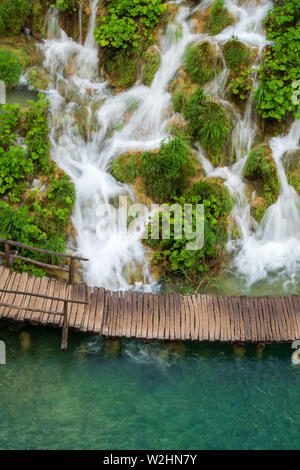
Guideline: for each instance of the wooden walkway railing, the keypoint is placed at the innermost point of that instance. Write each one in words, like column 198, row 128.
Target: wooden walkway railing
column 10, row 256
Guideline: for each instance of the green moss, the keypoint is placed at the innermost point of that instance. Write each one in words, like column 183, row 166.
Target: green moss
column 209, row 124
column 210, row 189
column 236, row 54
column 10, row 67
column 151, row 64
column 178, row 100
column 166, row 173
column 201, row 62
column 38, row 78
column 293, row 178
column 13, row 14
column 261, row 165
column 219, row 18
column 121, row 67
column 126, row 167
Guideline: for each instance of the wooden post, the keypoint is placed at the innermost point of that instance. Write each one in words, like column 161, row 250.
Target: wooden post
column 72, row 271
column 64, row 337
column 7, row 256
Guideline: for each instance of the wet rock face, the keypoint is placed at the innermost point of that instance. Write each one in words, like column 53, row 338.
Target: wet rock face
column 38, row 78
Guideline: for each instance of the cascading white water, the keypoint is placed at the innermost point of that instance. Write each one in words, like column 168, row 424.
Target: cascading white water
column 86, row 155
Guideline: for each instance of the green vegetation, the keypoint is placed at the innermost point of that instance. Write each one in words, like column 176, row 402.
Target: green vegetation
column 67, row 5
column 208, row 124
column 10, row 67
column 260, row 165
column 201, row 62
column 280, row 68
column 219, row 18
column 167, row 172
column 242, row 85
column 13, row 14
column 38, row 78
column 122, row 67
column 151, row 64
column 126, row 168
column 178, row 101
column 173, row 254
column 126, row 23
column 236, row 54
column 33, row 217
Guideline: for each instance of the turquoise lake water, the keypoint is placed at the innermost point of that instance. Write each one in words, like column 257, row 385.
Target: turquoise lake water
column 109, row 395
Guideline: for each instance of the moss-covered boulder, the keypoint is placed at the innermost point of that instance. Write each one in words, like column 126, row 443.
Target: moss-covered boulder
column 209, row 124
column 218, row 18
column 151, row 64
column 258, row 207
column 202, row 61
column 38, row 78
column 237, row 55
column 121, row 67
column 261, row 168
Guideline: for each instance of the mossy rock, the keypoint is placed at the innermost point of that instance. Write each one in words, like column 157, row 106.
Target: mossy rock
column 151, row 64
column 219, row 18
column 209, row 124
column 121, row 68
column 126, row 167
column 10, row 67
column 202, row 62
column 38, row 78
column 237, row 55
column 258, row 207
column 261, row 167
column 207, row 187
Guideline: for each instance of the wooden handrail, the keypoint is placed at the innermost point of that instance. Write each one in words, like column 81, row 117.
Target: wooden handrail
column 40, row 250
column 13, row 255
column 64, row 313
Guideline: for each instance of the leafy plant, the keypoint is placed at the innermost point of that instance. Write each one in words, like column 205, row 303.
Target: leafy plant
column 126, row 23
column 172, row 253
column 65, row 5
column 280, row 68
column 219, row 18
column 242, row 85
column 10, row 67
column 200, row 62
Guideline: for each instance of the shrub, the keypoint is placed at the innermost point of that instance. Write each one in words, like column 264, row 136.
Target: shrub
column 209, row 124
column 280, row 68
column 67, row 5
column 10, row 68
column 261, row 165
column 200, row 62
column 236, row 54
column 13, row 14
column 126, row 23
column 166, row 173
column 173, row 254
column 242, row 85
column 219, row 18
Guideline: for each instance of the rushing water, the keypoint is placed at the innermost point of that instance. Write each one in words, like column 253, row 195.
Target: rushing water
column 156, row 396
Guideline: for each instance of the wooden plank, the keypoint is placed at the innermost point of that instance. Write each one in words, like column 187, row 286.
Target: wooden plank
column 273, row 320
column 286, row 314
column 150, row 327
column 63, row 292
column 224, row 327
column 187, row 333
column 171, row 311
column 217, row 318
column 4, row 275
column 29, row 287
column 266, row 317
column 139, row 315
column 99, row 310
column 115, row 299
column 205, row 334
column 277, row 314
column 73, row 307
column 211, row 318
column 245, row 314
column 177, row 317
column 162, row 317
column 156, row 315
column 182, row 316
column 296, row 311
column 40, row 302
column 144, row 327
column 134, row 319
column 123, row 319
column 92, row 316
column 167, row 316
column 128, row 313
column 252, row 318
column 110, row 314
column 197, row 318
column 81, row 308
column 18, row 299
column 105, row 325
column 192, row 317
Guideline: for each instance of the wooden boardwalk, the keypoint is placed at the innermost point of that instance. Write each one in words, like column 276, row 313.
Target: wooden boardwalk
column 151, row 316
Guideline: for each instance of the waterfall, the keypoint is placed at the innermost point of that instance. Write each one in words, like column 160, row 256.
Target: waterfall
column 77, row 91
